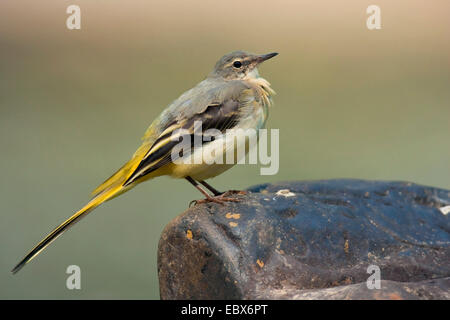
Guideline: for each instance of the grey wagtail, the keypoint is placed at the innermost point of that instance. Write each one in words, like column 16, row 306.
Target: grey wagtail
column 232, row 96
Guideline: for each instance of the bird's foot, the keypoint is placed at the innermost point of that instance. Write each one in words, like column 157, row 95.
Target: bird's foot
column 221, row 199
column 230, row 192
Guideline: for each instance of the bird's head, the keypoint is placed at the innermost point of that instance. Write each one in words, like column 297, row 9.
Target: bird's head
column 239, row 65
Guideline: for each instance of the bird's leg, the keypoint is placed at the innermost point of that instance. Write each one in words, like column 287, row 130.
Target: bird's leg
column 219, row 199
column 211, row 188
column 221, row 194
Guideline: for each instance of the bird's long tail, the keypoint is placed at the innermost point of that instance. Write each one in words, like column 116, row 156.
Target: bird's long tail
column 95, row 202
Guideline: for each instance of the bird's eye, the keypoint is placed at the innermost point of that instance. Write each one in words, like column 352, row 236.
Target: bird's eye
column 237, row 64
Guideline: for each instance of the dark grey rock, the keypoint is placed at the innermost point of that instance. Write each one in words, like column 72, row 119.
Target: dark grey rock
column 311, row 240
column 390, row 290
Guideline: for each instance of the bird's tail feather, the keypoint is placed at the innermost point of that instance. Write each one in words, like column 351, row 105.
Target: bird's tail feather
column 91, row 205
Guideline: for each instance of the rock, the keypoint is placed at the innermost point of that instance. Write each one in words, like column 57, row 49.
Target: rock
column 311, row 240
column 389, row 290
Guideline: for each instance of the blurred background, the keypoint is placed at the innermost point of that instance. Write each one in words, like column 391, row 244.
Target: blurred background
column 351, row 103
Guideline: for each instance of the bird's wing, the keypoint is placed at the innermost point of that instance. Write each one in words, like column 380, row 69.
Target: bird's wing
column 218, row 114
column 216, row 104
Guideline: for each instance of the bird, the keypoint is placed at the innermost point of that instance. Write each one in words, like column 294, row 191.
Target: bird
column 232, row 96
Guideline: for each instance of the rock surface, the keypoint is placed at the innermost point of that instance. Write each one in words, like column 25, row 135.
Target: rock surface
column 311, row 240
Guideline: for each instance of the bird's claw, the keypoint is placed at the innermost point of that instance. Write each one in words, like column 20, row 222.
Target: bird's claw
column 230, row 192
column 220, row 199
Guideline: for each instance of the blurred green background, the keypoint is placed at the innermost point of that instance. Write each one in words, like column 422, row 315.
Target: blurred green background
column 351, row 103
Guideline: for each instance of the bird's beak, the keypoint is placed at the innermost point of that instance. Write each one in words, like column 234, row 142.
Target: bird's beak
column 264, row 57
